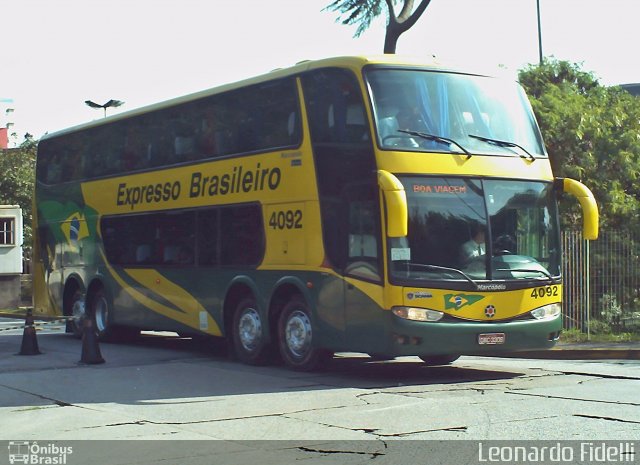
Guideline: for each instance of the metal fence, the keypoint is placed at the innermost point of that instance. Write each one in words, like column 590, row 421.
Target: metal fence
column 601, row 280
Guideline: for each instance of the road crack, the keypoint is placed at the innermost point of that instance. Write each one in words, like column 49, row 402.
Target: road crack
column 371, row 455
column 457, row 429
column 547, row 396
column 59, row 403
column 597, row 417
column 604, row 376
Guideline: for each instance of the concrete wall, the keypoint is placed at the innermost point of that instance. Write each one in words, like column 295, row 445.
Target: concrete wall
column 10, row 291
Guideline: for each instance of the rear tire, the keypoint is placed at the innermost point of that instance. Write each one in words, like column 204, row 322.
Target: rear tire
column 296, row 338
column 99, row 310
column 248, row 334
column 434, row 360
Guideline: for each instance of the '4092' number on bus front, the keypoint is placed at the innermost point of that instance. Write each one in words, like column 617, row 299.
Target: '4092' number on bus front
column 547, row 291
column 288, row 219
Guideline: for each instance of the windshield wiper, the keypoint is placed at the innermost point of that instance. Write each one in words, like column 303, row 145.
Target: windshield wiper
column 527, row 270
column 504, row 143
column 444, row 268
column 433, row 137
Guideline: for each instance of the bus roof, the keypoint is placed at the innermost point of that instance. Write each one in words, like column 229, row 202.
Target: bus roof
column 343, row 61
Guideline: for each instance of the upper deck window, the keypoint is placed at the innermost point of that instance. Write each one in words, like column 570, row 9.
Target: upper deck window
column 480, row 114
column 259, row 118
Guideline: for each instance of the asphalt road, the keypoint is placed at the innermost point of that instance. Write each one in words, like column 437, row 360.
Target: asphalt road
column 165, row 387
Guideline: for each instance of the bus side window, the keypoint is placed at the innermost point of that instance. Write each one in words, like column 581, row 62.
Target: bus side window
column 208, row 234
column 242, row 238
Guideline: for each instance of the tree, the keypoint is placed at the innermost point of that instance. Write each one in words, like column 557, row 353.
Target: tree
column 363, row 12
column 17, row 181
column 592, row 134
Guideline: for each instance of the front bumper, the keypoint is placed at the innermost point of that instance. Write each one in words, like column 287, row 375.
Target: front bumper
column 406, row 337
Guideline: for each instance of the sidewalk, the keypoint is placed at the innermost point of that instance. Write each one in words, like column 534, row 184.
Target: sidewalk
column 584, row 351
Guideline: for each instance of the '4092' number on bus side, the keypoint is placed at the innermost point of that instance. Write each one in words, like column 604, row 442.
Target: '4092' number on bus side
column 547, row 291
column 287, row 219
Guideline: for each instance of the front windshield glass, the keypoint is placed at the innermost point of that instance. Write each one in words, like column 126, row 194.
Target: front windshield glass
column 474, row 229
column 452, row 106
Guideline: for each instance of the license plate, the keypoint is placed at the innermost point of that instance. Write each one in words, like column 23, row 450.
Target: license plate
column 491, row 338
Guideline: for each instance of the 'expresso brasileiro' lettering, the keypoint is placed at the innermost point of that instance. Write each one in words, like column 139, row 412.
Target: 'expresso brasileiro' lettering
column 238, row 180
column 148, row 193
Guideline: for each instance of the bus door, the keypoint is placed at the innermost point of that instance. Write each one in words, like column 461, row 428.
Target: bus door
column 363, row 265
column 347, row 188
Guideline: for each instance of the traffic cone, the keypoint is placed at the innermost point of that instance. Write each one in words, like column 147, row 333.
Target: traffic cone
column 90, row 348
column 29, row 342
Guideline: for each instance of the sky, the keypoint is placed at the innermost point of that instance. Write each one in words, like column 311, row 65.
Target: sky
column 57, row 54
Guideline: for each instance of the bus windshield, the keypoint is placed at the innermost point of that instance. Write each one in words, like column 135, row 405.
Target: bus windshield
column 477, row 229
column 479, row 115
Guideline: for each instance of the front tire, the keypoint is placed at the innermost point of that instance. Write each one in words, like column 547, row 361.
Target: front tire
column 297, row 339
column 248, row 333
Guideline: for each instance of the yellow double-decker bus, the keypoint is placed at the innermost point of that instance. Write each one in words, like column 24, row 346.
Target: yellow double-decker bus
column 364, row 204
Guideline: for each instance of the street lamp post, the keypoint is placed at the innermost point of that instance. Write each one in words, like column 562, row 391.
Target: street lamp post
column 104, row 106
column 539, row 32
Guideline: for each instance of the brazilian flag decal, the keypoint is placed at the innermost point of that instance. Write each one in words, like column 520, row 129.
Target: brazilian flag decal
column 457, row 301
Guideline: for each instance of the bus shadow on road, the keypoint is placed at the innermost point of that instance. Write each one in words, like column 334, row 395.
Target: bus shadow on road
column 405, row 371
column 344, row 369
column 157, row 369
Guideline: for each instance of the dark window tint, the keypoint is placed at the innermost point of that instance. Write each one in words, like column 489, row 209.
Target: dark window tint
column 241, row 244
column 186, row 238
column 150, row 239
column 257, row 118
column 208, row 237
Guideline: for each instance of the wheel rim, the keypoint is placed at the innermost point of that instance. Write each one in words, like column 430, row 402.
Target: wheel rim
column 298, row 333
column 101, row 313
column 250, row 329
column 78, row 312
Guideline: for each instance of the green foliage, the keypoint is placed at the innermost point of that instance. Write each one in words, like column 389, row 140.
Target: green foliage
column 610, row 310
column 358, row 12
column 598, row 327
column 17, row 182
column 592, row 133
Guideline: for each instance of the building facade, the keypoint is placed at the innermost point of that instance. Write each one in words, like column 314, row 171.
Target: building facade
column 7, row 135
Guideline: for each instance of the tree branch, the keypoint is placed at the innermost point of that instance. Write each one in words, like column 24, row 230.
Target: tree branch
column 392, row 14
column 405, row 13
column 405, row 25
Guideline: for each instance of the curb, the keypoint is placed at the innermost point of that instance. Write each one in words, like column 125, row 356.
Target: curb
column 577, row 354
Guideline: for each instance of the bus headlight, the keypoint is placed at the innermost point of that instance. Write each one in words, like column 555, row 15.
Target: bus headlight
column 547, row 312
column 417, row 314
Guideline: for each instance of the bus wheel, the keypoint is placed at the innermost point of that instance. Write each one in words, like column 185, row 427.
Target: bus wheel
column 295, row 338
column 78, row 314
column 439, row 359
column 248, row 335
column 99, row 310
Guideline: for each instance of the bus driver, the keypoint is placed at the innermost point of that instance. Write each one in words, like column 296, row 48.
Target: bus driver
column 474, row 247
